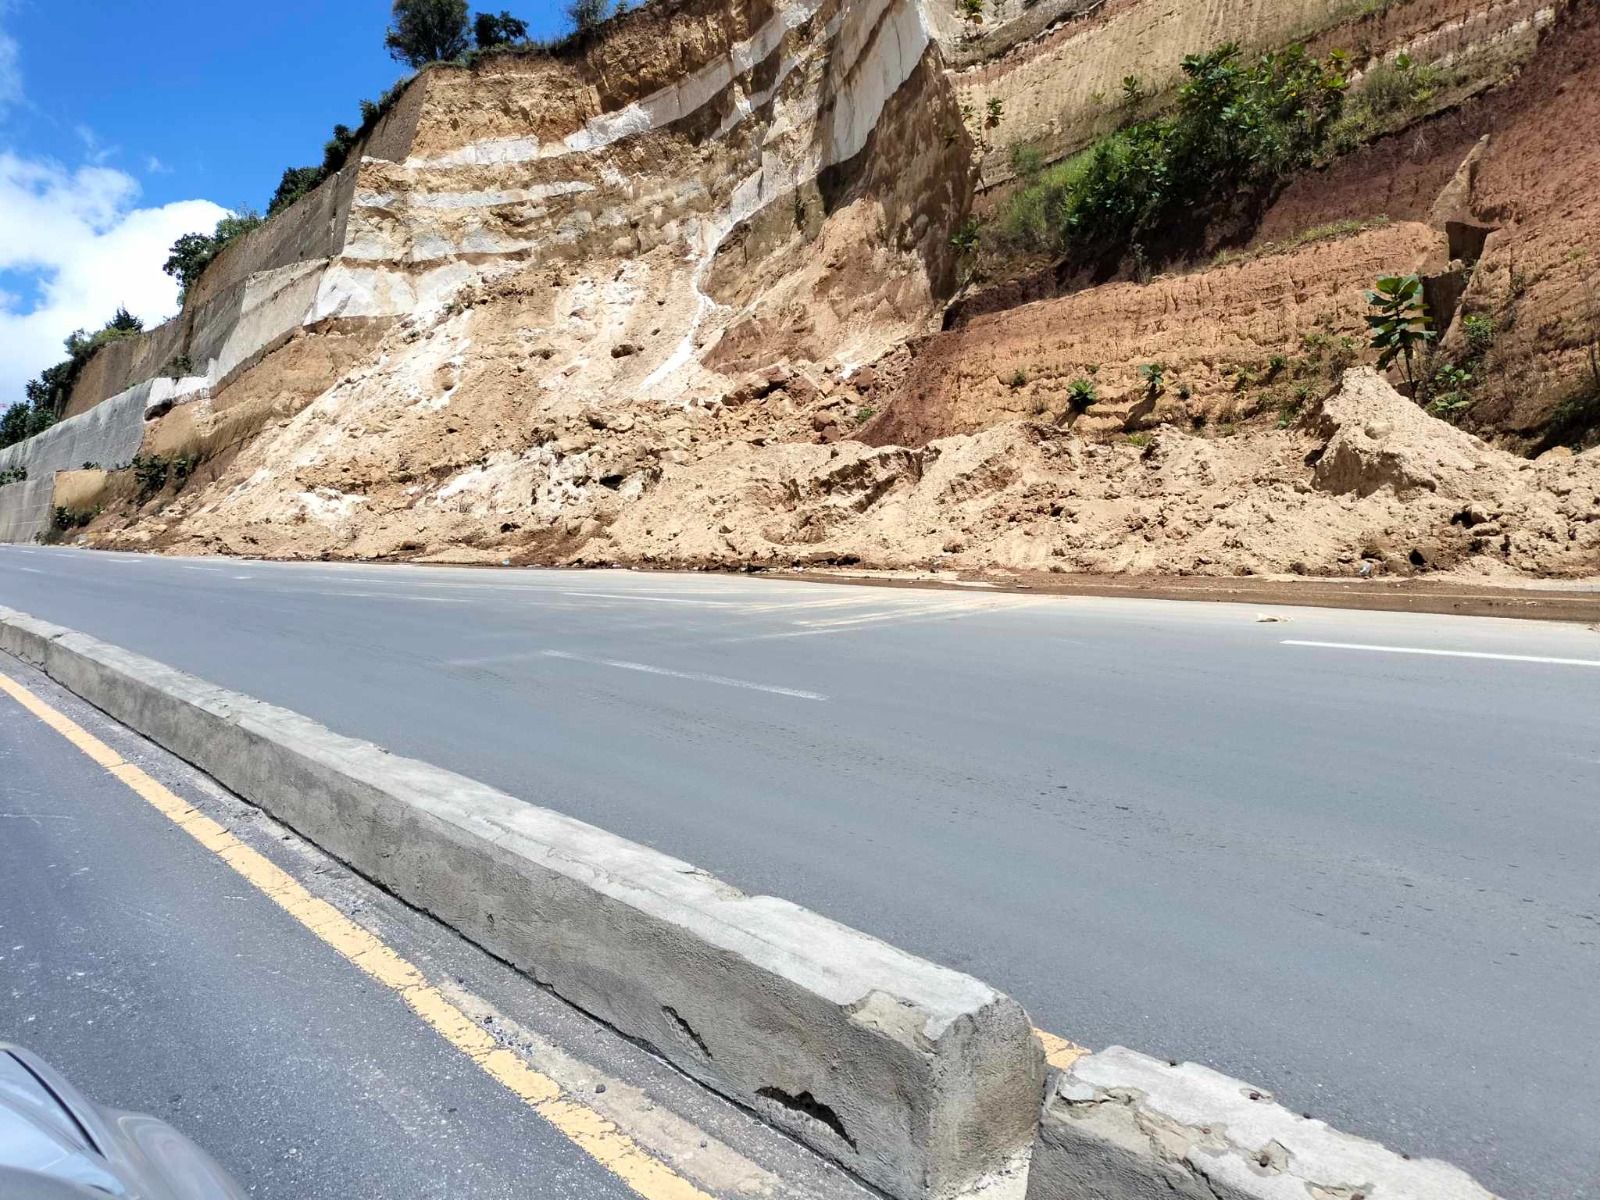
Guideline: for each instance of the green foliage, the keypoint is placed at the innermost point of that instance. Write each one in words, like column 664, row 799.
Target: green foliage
column 489, row 30
column 47, row 395
column 1026, row 160
column 123, row 321
column 192, row 253
column 1154, row 375
column 1399, row 323
column 13, row 475
column 993, row 112
column 150, row 471
column 425, row 31
column 972, row 11
column 298, row 181
column 14, row 424
column 1479, row 329
column 1238, row 129
column 1019, row 378
column 1081, row 394
column 1448, row 391
column 965, row 239
column 66, row 519
column 1390, row 94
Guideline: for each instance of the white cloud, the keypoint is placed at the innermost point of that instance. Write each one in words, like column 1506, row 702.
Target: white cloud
column 92, row 249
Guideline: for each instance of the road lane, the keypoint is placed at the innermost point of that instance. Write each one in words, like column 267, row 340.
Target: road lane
column 161, row 943
column 1363, row 880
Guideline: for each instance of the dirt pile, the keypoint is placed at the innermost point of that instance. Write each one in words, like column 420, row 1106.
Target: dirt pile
column 1368, row 482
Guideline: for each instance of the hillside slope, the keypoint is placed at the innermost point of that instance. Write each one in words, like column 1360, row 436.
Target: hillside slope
column 675, row 297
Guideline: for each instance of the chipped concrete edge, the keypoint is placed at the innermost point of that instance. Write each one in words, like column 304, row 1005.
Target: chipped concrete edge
column 917, row 1078
column 1123, row 1126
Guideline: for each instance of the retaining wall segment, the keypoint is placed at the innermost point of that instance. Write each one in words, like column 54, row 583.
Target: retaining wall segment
column 915, row 1077
column 1120, row 1125
column 109, row 434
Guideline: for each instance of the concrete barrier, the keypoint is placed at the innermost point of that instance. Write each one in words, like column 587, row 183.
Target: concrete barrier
column 919, row 1079
column 1120, row 1125
column 915, row 1077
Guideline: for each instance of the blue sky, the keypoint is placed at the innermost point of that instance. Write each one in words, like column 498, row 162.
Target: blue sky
column 123, row 125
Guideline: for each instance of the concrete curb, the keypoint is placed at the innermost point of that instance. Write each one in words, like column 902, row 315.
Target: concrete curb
column 917, row 1078
column 920, row 1080
column 1120, row 1125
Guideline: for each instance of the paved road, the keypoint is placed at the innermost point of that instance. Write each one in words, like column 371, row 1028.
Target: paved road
column 1365, row 879
column 157, row 978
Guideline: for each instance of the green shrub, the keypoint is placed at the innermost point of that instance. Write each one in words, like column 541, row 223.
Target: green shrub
column 65, row 519
column 192, row 253
column 1479, row 329
column 150, row 471
column 1081, row 394
column 13, row 475
column 1238, row 129
column 1026, row 160
column 298, row 181
column 1389, row 95
column 1448, row 392
column 1154, row 375
column 47, row 395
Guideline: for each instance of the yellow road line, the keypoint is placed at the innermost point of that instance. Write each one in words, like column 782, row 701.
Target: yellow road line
column 592, row 1133
column 1059, row 1052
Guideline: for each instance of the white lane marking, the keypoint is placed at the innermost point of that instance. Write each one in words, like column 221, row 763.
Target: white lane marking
column 915, row 617
column 695, row 676
column 494, row 660
column 393, row 596
column 31, row 570
column 1527, row 658
column 653, row 599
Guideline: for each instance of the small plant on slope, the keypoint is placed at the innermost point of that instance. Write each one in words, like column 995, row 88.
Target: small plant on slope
column 1081, row 395
column 1155, row 380
column 1399, row 324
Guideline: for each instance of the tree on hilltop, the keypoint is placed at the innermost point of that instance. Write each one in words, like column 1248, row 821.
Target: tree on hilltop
column 489, row 30
column 426, row 31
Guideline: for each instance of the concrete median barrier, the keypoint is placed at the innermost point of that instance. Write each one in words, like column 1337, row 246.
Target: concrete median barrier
column 917, row 1078
column 1120, row 1125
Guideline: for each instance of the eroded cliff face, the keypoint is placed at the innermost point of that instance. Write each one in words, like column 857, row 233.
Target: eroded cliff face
column 675, row 299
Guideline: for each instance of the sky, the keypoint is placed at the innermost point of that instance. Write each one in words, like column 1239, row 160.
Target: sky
column 124, row 126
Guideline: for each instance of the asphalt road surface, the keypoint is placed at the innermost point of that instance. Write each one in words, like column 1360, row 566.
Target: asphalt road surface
column 1352, row 857
column 157, row 978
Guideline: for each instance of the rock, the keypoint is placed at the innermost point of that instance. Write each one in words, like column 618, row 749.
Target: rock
column 623, row 350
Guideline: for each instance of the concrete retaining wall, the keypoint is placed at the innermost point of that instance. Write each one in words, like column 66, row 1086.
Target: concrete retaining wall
column 26, row 508
column 108, row 434
column 917, row 1078
column 1119, row 1125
